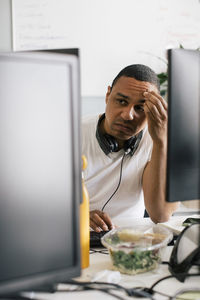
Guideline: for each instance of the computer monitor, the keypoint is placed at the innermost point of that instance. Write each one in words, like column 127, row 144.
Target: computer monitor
column 40, row 170
column 183, row 161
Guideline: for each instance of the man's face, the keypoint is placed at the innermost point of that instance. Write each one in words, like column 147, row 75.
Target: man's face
column 125, row 116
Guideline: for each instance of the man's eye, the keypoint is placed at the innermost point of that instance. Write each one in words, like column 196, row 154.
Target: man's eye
column 121, row 101
column 139, row 107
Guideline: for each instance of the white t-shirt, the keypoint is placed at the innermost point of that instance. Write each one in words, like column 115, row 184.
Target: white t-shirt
column 103, row 171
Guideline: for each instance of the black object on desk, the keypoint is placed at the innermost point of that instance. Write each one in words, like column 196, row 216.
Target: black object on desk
column 95, row 238
column 190, row 221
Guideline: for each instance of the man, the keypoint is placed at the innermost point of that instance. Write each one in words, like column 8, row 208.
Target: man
column 126, row 149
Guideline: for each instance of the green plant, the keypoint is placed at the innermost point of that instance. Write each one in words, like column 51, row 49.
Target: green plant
column 163, row 78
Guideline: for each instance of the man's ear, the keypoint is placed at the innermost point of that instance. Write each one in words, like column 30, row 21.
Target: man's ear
column 108, row 93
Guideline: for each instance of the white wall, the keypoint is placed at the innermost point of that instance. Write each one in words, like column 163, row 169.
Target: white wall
column 92, row 105
column 110, row 33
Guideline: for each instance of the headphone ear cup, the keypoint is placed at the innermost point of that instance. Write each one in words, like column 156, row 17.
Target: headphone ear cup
column 129, row 144
column 107, row 142
column 132, row 144
column 111, row 143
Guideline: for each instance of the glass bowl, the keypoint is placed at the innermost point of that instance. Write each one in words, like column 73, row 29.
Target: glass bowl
column 136, row 250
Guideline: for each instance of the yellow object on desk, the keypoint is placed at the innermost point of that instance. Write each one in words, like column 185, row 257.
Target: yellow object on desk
column 84, row 222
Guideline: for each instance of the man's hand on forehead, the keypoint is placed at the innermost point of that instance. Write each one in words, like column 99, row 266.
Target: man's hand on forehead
column 155, row 98
column 155, row 108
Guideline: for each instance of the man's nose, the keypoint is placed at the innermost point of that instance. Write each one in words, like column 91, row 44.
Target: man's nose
column 128, row 113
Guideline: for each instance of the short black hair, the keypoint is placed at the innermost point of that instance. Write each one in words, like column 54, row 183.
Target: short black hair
column 139, row 72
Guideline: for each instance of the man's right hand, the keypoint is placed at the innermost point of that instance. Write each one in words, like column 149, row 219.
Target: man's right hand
column 100, row 220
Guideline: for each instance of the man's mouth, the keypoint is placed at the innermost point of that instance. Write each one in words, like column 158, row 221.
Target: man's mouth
column 123, row 128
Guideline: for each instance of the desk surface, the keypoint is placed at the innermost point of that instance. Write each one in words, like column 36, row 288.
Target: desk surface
column 100, row 262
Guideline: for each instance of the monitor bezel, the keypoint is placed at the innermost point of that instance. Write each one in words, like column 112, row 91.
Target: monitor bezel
column 172, row 55
column 45, row 280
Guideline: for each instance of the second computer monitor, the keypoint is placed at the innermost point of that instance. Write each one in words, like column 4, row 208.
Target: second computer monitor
column 183, row 162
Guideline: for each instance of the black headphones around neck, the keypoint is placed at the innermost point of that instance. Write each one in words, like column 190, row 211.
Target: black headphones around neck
column 108, row 143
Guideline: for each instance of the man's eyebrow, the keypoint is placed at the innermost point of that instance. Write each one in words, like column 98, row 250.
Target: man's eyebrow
column 123, row 96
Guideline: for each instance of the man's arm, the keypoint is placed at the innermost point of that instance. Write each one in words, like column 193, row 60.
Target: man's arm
column 154, row 176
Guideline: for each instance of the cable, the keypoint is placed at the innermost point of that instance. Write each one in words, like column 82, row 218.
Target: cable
column 100, row 286
column 102, row 251
column 120, row 177
column 111, row 294
column 83, row 288
column 165, row 262
column 161, row 279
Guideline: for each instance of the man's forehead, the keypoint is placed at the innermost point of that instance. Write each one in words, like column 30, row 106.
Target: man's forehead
column 135, row 85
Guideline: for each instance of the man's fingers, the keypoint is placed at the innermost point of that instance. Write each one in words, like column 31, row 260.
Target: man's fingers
column 107, row 220
column 151, row 110
column 156, row 99
column 154, row 104
column 155, row 112
column 100, row 221
column 162, row 100
column 158, row 96
column 94, row 226
column 102, row 224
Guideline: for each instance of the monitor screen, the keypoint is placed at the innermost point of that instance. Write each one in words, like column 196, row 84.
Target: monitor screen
column 183, row 162
column 40, row 169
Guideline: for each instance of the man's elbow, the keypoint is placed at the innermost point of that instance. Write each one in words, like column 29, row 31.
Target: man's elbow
column 165, row 214
column 160, row 218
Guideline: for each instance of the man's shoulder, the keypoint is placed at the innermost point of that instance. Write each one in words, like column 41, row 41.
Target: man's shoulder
column 89, row 124
column 89, row 121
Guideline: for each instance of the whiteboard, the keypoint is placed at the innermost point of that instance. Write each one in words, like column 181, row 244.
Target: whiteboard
column 109, row 33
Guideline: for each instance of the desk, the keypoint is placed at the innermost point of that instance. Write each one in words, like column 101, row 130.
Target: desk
column 100, row 262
